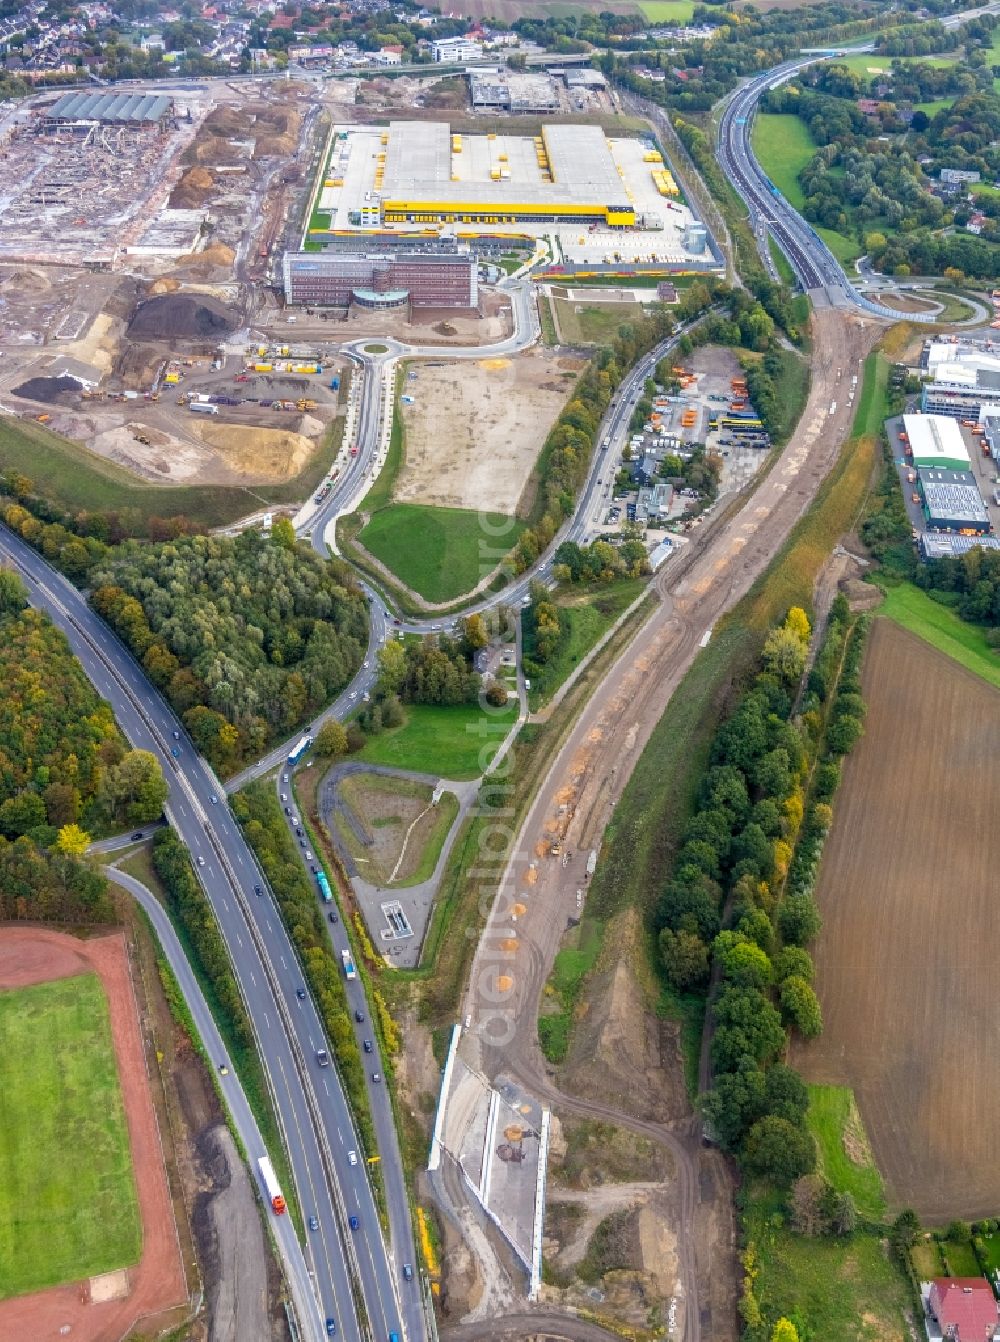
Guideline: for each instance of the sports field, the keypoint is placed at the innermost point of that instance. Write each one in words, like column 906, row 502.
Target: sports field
column 68, row 1206
column 439, row 552
column 906, row 959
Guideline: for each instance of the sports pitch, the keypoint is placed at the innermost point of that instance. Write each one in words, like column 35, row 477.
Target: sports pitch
column 68, row 1205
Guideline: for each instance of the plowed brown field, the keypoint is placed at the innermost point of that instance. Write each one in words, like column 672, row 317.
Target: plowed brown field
column 907, row 961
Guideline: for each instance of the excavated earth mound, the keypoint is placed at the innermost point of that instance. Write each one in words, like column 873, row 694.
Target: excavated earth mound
column 181, row 317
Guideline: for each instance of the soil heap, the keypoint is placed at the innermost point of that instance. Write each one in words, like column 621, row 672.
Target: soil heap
column 182, row 317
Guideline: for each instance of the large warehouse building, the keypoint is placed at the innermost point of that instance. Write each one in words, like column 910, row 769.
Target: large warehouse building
column 432, row 176
column 135, row 110
column 382, row 281
column 936, row 442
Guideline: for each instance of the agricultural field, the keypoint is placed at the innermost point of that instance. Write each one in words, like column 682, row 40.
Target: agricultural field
column 68, row 1205
column 439, row 552
column 390, row 828
column 905, row 963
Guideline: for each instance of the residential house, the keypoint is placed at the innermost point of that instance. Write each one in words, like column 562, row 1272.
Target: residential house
column 961, row 1309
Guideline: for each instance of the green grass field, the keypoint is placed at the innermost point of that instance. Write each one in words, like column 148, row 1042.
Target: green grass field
column 454, row 742
column 832, row 1111
column 68, row 1206
column 595, row 324
column 825, row 1282
column 868, row 64
column 943, row 629
column 436, row 551
column 667, row 11
column 784, row 146
column 74, row 478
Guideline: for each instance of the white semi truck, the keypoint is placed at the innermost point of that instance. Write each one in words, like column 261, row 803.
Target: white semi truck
column 271, row 1187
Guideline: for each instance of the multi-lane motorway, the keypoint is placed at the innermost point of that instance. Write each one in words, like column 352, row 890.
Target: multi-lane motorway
column 316, row 1121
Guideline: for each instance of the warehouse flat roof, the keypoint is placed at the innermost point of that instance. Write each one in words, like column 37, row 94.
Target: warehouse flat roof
column 936, row 440
column 111, row 106
column 942, row 547
column 418, row 168
column 953, row 497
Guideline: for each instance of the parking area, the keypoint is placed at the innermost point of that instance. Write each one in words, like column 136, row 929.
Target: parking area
column 670, row 457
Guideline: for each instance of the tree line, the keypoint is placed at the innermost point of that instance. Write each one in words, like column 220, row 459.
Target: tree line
column 65, row 769
column 246, row 636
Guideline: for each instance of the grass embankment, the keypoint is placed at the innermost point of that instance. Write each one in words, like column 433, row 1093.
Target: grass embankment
column 943, row 629
column 825, row 1280
column 642, row 836
column 68, row 1204
column 75, row 480
column 454, row 741
column 783, row 146
column 872, row 407
column 844, row 1154
column 437, row 551
column 572, row 964
column 587, row 617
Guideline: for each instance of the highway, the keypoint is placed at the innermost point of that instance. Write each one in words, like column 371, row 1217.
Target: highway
column 311, row 1107
column 817, row 269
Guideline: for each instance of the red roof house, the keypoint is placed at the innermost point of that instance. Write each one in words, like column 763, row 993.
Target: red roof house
column 965, row 1309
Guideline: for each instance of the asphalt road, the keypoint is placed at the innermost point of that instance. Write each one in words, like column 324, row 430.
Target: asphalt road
column 316, row 1121
column 282, row 1229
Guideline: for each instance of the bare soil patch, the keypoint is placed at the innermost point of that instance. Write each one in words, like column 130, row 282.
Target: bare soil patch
column 157, row 1284
column 475, row 430
column 906, row 959
column 264, row 454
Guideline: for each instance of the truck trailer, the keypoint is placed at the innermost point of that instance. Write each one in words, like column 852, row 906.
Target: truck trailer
column 271, row 1187
column 349, row 971
column 203, row 408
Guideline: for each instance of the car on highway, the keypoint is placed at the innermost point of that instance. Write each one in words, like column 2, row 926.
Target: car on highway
column 313, row 1223
column 201, row 861
column 359, row 1016
column 288, row 810
column 177, row 736
column 407, row 1272
column 331, row 1327
column 333, row 917
column 355, row 1224
column 368, row 1046
column 300, row 832
column 300, row 993
column 309, row 857
column 284, row 796
column 175, row 752
column 257, row 890
column 138, row 835
column 322, row 1057
column 352, row 1157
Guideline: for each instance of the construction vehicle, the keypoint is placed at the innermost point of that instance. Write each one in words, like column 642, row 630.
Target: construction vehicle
column 43, row 419
column 141, row 438
column 303, row 404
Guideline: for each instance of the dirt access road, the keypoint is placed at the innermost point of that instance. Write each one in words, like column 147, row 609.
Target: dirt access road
column 588, row 775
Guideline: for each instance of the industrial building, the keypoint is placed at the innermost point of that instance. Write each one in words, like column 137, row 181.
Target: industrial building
column 952, row 501
column 430, row 175
column 136, row 110
column 520, row 94
column 381, row 281
column 937, row 546
column 964, row 380
column 936, row 442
